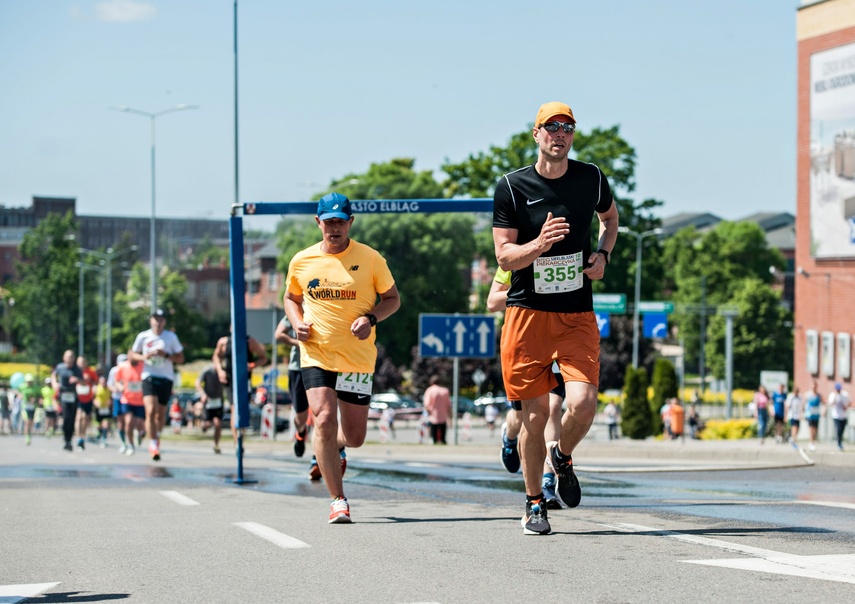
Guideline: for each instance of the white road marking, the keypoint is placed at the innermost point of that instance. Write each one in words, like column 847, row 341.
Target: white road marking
column 9, row 594
column 831, row 504
column 275, row 537
column 179, row 498
column 835, row 567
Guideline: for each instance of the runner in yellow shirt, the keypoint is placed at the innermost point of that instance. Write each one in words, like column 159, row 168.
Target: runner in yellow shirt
column 331, row 301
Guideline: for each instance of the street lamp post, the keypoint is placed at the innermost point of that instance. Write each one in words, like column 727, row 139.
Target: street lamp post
column 152, row 239
column 107, row 259
column 84, row 266
column 639, row 237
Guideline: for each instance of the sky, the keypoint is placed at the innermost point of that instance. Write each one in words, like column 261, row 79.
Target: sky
column 705, row 92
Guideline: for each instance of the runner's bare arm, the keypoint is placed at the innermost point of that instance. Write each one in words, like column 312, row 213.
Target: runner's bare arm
column 606, row 241
column 293, row 304
column 512, row 256
column 390, row 302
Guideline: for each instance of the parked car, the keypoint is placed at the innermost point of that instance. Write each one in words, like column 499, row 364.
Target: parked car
column 465, row 405
column 500, row 401
column 405, row 408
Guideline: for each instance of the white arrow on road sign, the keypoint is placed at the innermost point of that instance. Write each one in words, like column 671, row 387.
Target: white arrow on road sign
column 434, row 342
column 483, row 331
column 459, row 330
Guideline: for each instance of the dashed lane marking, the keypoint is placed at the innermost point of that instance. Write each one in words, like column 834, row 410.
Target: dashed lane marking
column 275, row 537
column 9, row 594
column 834, row 567
column 179, row 498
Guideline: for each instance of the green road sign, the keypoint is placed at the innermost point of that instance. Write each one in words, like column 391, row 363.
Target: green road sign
column 612, row 303
column 666, row 307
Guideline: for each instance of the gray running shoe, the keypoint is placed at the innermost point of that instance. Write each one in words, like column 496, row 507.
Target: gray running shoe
column 569, row 492
column 535, row 521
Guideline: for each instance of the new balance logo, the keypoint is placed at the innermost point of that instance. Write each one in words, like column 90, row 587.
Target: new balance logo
column 531, row 202
column 355, row 267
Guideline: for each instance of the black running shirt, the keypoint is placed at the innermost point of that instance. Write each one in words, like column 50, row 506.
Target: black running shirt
column 521, row 201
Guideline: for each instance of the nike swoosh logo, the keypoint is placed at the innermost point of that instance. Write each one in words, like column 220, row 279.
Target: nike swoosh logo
column 531, row 202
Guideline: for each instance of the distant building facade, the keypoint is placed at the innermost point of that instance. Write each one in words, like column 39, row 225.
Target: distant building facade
column 825, row 207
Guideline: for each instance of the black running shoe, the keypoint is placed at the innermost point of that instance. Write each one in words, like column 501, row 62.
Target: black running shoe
column 569, row 492
column 535, row 521
column 300, row 443
column 510, row 455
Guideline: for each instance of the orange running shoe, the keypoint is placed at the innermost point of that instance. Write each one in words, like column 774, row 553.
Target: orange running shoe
column 340, row 511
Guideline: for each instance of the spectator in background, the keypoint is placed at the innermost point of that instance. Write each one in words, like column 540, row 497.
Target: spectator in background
column 838, row 407
column 665, row 414
column 779, row 398
column 761, row 411
column 676, row 416
column 813, row 411
column 694, row 421
column 611, row 413
column 794, row 410
column 437, row 400
column 490, row 415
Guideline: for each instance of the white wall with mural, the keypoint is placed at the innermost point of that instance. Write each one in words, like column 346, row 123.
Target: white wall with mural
column 832, row 153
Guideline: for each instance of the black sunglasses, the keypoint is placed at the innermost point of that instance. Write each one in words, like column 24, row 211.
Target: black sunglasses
column 554, row 126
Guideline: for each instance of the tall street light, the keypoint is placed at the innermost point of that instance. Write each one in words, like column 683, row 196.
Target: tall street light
column 153, row 242
column 639, row 237
column 91, row 267
column 107, row 258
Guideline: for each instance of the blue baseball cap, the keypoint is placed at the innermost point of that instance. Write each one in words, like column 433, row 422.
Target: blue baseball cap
column 334, row 205
column 838, row 386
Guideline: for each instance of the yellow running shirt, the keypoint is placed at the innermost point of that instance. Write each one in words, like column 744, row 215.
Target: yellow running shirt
column 337, row 289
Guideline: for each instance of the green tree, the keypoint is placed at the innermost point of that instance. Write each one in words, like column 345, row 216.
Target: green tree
column 762, row 335
column 46, row 297
column 477, row 175
column 429, row 254
column 664, row 387
column 134, row 311
column 636, row 418
column 708, row 268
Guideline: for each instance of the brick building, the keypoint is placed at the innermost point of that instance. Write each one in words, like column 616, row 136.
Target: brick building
column 825, row 207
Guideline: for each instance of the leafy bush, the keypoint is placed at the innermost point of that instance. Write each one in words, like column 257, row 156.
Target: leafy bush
column 729, row 429
column 636, row 419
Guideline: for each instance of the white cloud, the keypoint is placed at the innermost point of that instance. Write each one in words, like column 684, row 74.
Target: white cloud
column 124, row 11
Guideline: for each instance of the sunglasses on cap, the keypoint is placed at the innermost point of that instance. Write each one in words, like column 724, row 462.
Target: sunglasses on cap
column 554, row 126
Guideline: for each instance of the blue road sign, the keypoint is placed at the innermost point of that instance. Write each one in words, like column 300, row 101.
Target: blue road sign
column 655, row 325
column 464, row 336
column 604, row 323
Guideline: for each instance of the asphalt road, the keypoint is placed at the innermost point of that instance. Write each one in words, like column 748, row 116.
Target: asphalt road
column 431, row 525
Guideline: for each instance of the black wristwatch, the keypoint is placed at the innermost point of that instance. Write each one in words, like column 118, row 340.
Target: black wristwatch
column 605, row 255
column 371, row 319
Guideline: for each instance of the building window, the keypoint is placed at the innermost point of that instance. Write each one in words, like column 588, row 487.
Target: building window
column 273, row 281
column 203, row 290
column 222, row 290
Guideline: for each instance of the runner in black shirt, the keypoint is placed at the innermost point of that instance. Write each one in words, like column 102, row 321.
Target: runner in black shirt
column 542, row 233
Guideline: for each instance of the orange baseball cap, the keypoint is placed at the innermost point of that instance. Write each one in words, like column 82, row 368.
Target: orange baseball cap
column 549, row 110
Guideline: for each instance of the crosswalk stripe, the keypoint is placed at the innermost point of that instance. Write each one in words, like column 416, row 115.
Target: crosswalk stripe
column 9, row 594
column 179, row 498
column 830, row 567
column 275, row 537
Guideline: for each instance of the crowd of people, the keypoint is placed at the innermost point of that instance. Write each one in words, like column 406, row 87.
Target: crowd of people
column 338, row 290
column 783, row 413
